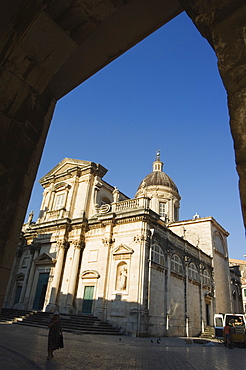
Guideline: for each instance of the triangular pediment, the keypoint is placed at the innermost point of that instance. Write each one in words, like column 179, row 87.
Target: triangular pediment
column 68, row 165
column 44, row 258
column 122, row 249
column 65, row 165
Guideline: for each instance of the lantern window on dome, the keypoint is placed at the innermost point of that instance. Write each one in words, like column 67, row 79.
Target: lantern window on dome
column 162, row 209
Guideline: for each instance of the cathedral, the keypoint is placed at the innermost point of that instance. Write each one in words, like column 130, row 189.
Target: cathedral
column 130, row 262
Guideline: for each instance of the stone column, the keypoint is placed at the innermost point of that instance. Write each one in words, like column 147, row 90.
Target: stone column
column 78, row 246
column 52, row 306
column 34, row 252
column 34, row 249
column 143, row 275
column 108, row 242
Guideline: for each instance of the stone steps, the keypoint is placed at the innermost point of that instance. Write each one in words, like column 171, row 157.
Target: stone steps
column 208, row 333
column 79, row 324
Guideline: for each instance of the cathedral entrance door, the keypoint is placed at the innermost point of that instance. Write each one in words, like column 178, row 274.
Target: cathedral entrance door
column 40, row 291
column 88, row 299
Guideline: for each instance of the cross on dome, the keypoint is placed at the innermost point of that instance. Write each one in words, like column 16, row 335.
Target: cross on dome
column 158, row 155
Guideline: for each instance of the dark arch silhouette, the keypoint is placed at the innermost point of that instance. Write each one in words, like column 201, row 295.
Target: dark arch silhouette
column 48, row 47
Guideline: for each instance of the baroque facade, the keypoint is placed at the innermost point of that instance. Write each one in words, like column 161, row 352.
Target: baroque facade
column 130, row 262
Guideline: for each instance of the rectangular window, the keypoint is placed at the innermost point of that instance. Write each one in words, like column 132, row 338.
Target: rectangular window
column 162, row 209
column 60, row 199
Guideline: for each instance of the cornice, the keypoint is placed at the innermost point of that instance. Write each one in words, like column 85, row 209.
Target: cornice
column 78, row 170
column 62, row 224
column 201, row 220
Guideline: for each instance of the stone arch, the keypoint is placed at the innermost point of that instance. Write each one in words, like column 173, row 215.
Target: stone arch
column 43, row 43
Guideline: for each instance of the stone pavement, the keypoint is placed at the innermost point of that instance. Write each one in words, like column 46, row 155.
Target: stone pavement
column 23, row 347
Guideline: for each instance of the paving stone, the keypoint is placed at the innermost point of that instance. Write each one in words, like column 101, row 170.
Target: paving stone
column 26, row 348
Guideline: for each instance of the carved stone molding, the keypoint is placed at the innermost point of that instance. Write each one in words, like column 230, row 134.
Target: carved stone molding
column 108, row 241
column 122, row 252
column 90, row 274
column 63, row 244
column 78, row 244
column 137, row 239
column 45, row 259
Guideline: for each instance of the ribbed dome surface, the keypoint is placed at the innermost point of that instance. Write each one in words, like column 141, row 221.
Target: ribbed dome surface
column 159, row 178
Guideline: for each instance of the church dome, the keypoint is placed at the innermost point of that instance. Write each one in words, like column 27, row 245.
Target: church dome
column 158, row 178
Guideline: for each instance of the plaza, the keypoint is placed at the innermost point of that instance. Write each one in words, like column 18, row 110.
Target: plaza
column 25, row 348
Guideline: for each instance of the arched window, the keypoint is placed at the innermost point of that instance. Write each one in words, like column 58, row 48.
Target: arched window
column 218, row 243
column 193, row 273
column 206, row 278
column 157, row 255
column 176, row 264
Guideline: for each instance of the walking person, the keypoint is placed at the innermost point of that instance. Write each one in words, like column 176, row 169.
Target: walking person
column 55, row 338
column 227, row 336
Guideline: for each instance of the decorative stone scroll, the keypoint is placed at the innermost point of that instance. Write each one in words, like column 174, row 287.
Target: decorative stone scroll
column 105, row 208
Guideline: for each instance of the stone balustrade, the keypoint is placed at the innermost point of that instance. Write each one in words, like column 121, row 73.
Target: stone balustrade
column 52, row 215
column 130, row 204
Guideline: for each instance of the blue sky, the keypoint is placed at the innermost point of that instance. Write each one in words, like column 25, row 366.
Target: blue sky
column 165, row 93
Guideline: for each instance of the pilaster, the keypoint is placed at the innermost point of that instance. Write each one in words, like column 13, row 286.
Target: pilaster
column 78, row 246
column 52, row 306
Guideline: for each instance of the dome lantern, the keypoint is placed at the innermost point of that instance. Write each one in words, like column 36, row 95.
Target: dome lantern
column 157, row 164
column 162, row 191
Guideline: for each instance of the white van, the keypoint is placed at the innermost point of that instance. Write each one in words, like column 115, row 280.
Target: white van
column 237, row 324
